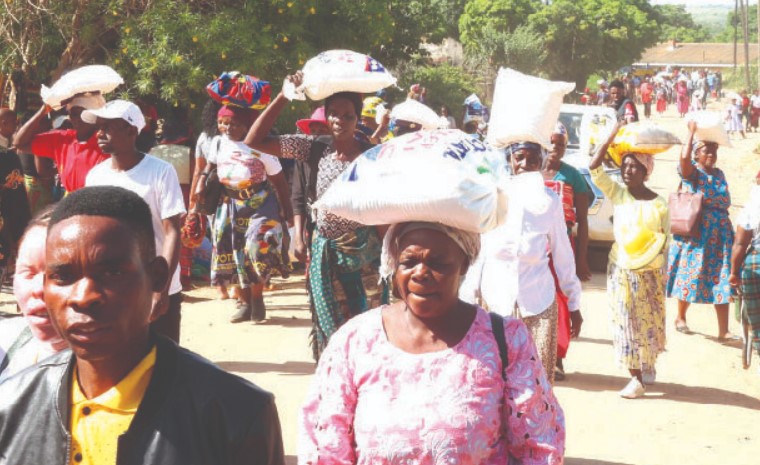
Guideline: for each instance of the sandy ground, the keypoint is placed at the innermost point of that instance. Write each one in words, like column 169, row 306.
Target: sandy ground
column 704, row 408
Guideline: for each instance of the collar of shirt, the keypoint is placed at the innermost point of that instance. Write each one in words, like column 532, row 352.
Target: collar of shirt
column 126, row 395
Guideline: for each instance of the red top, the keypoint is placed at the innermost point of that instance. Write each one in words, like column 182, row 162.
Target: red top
column 74, row 159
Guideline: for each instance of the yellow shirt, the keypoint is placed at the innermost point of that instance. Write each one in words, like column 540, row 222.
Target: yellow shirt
column 96, row 424
column 628, row 211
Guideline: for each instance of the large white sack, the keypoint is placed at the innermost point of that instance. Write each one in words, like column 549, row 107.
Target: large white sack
column 710, row 127
column 525, row 108
column 339, row 71
column 441, row 175
column 415, row 112
column 93, row 78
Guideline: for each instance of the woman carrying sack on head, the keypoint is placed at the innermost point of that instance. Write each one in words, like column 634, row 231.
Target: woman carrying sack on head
column 635, row 282
column 699, row 265
column 343, row 277
column 247, row 232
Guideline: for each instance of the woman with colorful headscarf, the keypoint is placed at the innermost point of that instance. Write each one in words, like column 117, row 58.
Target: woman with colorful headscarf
column 573, row 191
column 248, row 232
column 430, row 378
column 635, row 281
column 343, row 278
column 699, row 266
column 513, row 276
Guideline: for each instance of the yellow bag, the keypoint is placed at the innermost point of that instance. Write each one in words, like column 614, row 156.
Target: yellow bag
column 640, row 138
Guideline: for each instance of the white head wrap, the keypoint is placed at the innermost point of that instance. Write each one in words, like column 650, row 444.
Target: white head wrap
column 469, row 242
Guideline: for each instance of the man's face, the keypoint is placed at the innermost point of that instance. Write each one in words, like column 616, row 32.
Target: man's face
column 75, row 117
column 99, row 286
column 616, row 94
column 8, row 124
column 116, row 136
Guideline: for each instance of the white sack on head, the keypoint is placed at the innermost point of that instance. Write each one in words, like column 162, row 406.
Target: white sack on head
column 710, row 127
column 94, row 78
column 336, row 71
column 441, row 175
column 416, row 112
column 525, row 108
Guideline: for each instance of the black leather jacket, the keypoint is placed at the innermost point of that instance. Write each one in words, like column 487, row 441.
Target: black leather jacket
column 192, row 413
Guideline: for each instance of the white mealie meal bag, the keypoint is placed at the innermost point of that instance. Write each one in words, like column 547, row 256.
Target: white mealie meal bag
column 416, row 112
column 339, row 71
column 93, row 78
column 442, row 176
column 525, row 108
column 710, row 127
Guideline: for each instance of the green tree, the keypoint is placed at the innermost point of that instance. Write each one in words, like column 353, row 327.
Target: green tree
column 677, row 23
column 446, row 85
column 585, row 36
column 484, row 18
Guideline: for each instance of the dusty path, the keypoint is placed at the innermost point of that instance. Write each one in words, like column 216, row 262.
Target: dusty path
column 704, row 409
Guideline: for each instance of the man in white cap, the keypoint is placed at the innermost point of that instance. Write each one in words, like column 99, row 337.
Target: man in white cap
column 119, row 122
column 74, row 151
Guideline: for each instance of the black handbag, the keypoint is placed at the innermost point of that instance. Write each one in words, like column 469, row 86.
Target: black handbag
column 211, row 194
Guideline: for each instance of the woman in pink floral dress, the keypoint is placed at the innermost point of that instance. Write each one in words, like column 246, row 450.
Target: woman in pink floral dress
column 424, row 380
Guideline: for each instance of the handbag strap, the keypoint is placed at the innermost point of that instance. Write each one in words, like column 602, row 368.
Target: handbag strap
column 497, row 327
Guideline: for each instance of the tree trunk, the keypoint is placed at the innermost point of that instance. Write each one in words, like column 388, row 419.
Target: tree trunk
column 758, row 45
column 736, row 32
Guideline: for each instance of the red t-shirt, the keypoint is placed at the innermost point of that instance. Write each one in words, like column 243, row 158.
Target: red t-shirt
column 74, row 159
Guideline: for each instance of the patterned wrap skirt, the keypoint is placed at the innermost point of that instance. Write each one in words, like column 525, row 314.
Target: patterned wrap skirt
column 637, row 315
column 247, row 238
column 543, row 329
column 751, row 292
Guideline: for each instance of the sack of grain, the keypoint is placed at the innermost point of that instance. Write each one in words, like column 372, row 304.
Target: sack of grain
column 99, row 79
column 710, row 127
column 525, row 108
column 441, row 175
column 643, row 138
column 336, row 71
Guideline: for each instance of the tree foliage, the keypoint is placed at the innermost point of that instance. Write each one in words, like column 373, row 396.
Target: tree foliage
column 677, row 24
column 446, row 85
column 483, row 18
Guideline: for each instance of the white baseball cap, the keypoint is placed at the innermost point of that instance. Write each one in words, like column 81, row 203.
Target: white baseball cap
column 117, row 109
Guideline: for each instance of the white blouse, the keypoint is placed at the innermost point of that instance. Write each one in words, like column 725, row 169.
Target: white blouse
column 513, row 266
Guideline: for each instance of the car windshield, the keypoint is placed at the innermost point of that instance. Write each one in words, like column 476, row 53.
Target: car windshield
column 572, row 122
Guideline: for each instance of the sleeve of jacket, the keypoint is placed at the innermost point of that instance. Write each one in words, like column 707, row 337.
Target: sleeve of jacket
column 263, row 444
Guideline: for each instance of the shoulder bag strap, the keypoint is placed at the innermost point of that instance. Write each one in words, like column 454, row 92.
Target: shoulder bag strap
column 497, row 326
column 24, row 337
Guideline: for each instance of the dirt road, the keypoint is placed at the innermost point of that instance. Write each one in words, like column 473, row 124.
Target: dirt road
column 703, row 410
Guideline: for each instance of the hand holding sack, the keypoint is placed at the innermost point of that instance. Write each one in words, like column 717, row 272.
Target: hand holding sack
column 525, row 109
column 336, row 71
column 194, row 230
column 710, row 127
column 644, row 138
column 442, row 176
column 240, row 90
column 94, row 79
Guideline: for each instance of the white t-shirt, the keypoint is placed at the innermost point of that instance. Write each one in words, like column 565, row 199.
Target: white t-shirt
column 238, row 165
column 755, row 101
column 156, row 182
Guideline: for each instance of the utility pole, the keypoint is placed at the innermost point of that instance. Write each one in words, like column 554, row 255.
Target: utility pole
column 745, row 26
column 736, row 32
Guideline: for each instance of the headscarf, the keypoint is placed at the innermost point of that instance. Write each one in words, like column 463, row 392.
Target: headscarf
column 530, row 146
column 646, row 160
column 87, row 101
column 248, row 115
column 469, row 242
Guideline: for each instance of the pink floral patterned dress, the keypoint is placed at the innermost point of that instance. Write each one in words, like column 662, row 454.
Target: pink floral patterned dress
column 372, row 403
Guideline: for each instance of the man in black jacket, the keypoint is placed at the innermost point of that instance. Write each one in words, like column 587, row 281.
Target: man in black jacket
column 123, row 394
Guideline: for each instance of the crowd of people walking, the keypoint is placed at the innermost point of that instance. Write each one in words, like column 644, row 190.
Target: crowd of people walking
column 434, row 343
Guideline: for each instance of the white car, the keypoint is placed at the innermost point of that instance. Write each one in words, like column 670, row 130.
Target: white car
column 586, row 126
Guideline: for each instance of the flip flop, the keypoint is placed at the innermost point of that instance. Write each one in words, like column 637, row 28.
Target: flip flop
column 683, row 328
column 730, row 338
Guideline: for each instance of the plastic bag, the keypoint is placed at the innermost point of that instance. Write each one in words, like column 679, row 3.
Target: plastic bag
column 640, row 138
column 240, row 90
column 441, row 175
column 710, row 127
column 416, row 112
column 336, row 71
column 94, row 78
column 525, row 108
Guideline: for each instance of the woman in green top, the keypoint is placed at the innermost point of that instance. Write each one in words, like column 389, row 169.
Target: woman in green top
column 635, row 274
